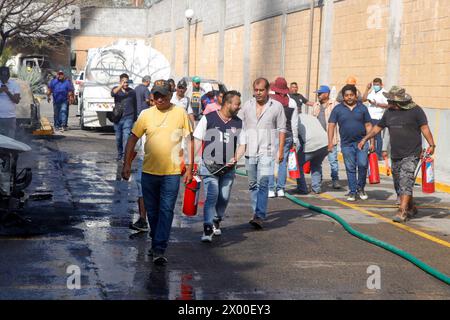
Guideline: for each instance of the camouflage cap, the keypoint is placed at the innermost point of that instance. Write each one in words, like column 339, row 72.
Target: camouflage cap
column 399, row 96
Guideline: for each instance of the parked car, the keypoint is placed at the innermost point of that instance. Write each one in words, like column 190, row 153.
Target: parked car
column 28, row 108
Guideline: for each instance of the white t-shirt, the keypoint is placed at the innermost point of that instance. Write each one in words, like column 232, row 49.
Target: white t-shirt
column 183, row 102
column 7, row 107
column 375, row 112
column 200, row 132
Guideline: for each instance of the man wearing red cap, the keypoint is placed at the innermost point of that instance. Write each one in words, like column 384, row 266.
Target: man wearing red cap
column 281, row 90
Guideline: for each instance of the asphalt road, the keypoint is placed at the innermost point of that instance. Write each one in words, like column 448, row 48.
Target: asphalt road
column 299, row 255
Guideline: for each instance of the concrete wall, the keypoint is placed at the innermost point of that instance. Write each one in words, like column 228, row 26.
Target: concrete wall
column 405, row 42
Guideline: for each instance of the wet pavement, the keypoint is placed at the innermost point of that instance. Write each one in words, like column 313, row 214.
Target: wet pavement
column 299, row 255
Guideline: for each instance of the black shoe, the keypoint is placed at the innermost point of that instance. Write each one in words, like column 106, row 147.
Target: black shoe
column 298, row 192
column 159, row 259
column 257, row 223
column 140, row 225
column 208, row 233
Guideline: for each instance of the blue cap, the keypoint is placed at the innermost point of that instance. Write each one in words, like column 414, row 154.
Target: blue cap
column 323, row 89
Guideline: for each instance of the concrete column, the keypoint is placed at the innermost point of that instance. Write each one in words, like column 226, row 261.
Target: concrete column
column 394, row 43
column 310, row 44
column 187, row 40
column 326, row 41
column 246, row 88
column 283, row 42
column 221, row 46
column 173, row 35
column 149, row 25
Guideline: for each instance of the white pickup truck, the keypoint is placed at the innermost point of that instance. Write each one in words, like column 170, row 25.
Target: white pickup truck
column 102, row 71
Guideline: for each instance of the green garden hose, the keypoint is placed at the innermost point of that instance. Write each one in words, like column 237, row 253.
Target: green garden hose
column 405, row 255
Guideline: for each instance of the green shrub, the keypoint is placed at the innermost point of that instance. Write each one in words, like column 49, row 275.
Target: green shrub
column 33, row 76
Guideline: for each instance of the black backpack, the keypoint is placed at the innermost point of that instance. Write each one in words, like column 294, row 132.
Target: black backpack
column 117, row 113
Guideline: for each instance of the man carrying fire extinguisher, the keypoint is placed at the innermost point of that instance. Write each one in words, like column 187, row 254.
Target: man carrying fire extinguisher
column 406, row 122
column 218, row 134
column 165, row 126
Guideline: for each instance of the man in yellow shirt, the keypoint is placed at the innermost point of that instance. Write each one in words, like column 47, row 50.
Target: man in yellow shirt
column 164, row 126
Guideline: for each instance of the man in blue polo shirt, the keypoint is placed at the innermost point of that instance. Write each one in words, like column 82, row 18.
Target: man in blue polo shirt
column 354, row 123
column 62, row 91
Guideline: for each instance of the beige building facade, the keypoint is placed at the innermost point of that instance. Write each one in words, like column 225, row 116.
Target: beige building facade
column 404, row 42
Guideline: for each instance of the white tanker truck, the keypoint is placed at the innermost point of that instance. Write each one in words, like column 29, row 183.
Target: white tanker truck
column 102, row 71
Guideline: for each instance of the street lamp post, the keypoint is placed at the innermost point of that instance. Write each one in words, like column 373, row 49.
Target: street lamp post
column 189, row 14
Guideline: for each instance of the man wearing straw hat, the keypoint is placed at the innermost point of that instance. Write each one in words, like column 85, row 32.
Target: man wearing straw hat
column 406, row 122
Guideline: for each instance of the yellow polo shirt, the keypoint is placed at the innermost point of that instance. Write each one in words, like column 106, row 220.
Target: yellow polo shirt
column 164, row 131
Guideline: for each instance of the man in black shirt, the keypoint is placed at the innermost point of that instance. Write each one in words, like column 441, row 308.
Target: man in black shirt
column 126, row 96
column 406, row 122
column 218, row 135
column 298, row 97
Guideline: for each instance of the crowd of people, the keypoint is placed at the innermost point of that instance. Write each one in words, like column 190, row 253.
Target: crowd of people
column 172, row 129
column 176, row 131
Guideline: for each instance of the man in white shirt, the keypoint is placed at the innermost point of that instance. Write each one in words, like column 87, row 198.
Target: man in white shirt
column 180, row 99
column 9, row 97
column 263, row 119
column 378, row 104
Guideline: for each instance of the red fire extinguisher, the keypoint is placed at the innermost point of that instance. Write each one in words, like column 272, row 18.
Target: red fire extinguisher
column 427, row 174
column 191, row 195
column 307, row 167
column 374, row 173
column 293, row 167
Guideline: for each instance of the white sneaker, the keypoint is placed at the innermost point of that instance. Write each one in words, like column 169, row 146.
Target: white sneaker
column 280, row 193
column 363, row 195
column 217, row 231
column 351, row 197
column 207, row 238
column 216, row 227
column 208, row 234
column 271, row 194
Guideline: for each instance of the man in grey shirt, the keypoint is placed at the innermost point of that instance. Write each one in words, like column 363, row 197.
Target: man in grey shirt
column 315, row 150
column 143, row 94
column 262, row 118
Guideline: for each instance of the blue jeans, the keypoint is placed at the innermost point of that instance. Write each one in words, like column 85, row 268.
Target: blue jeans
column 160, row 196
column 355, row 159
column 60, row 114
column 140, row 161
column 316, row 158
column 259, row 170
column 334, row 164
column 123, row 130
column 217, row 194
column 282, row 168
column 378, row 141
